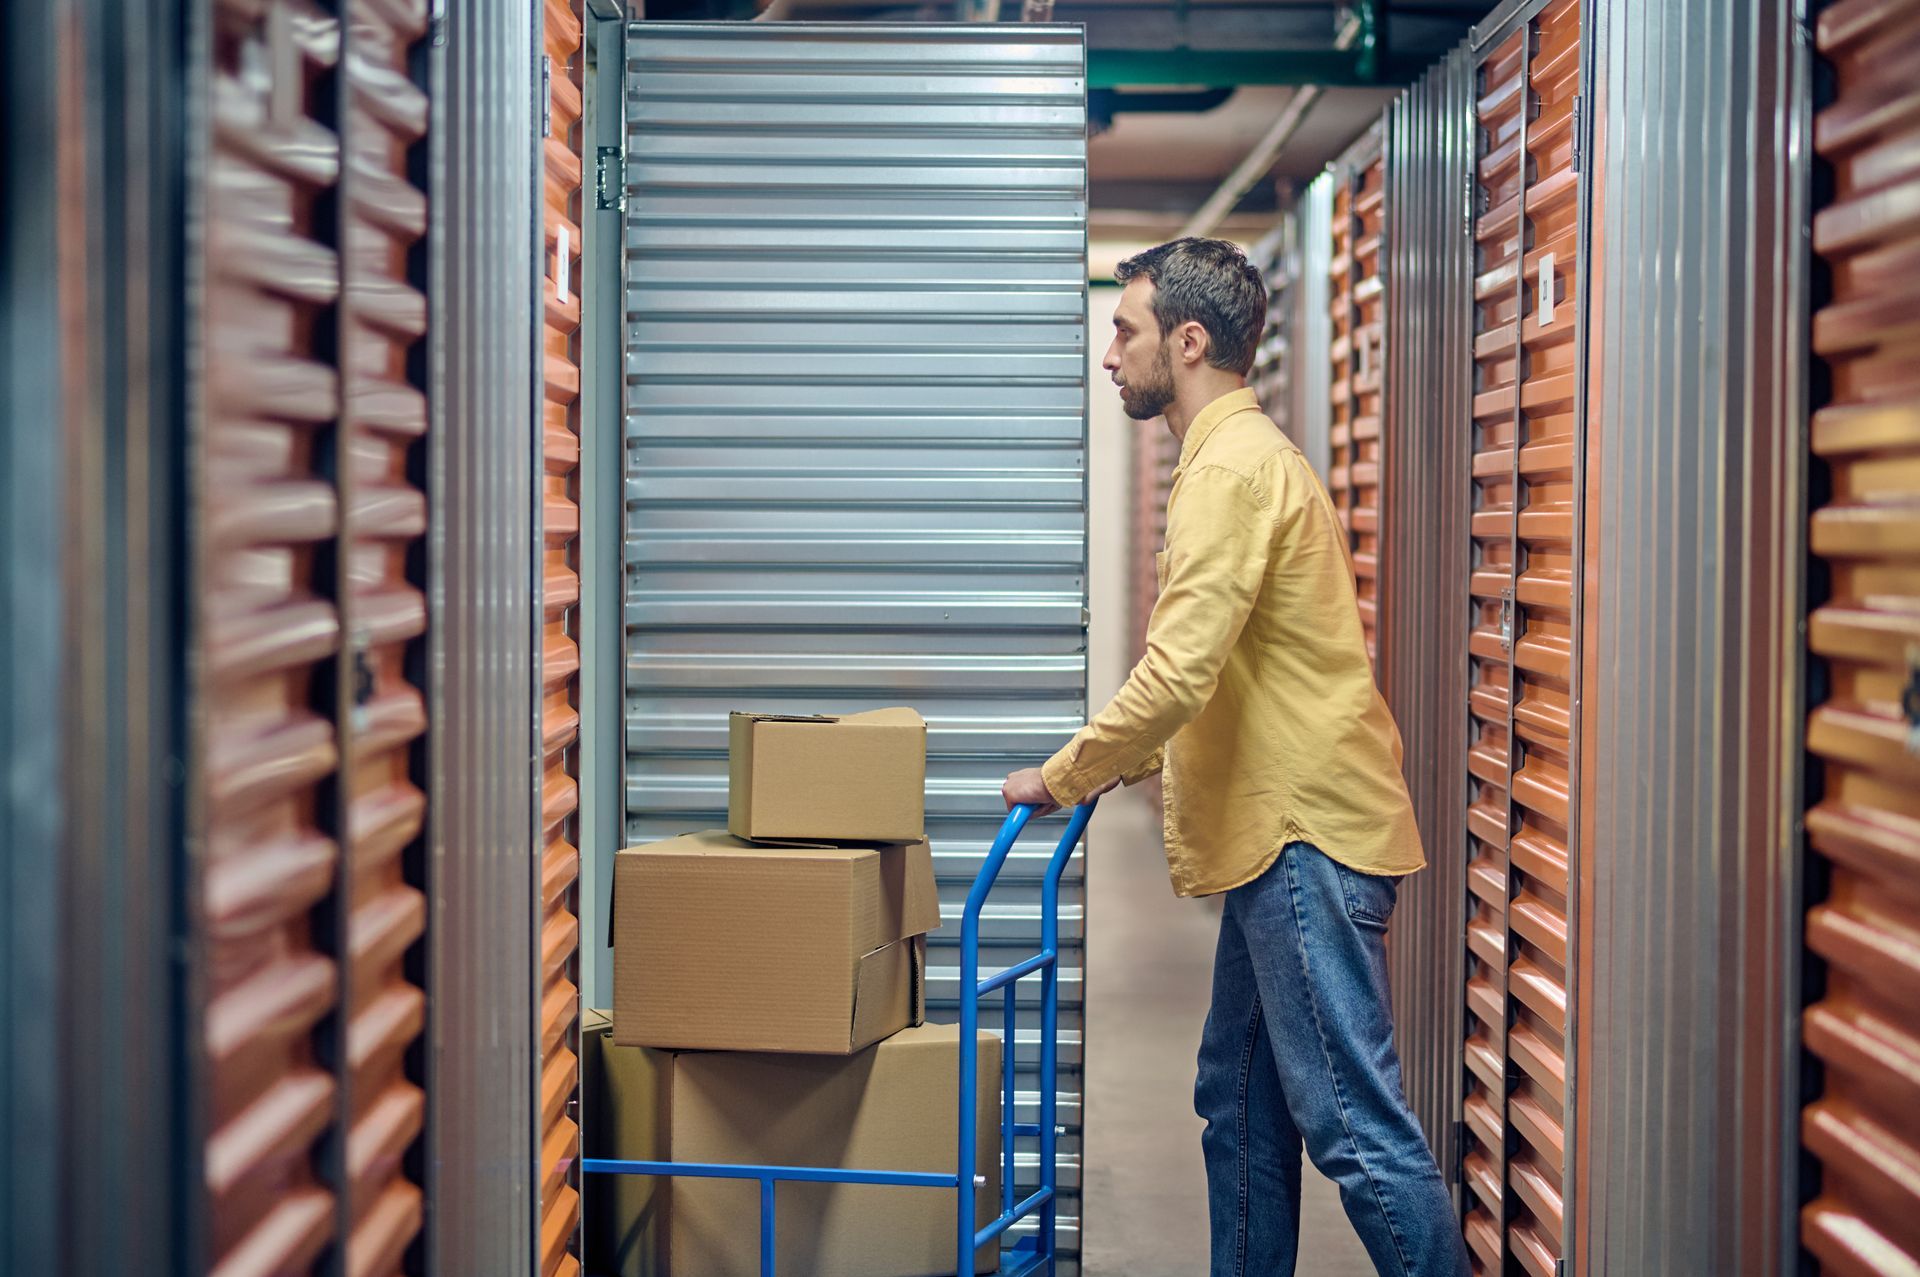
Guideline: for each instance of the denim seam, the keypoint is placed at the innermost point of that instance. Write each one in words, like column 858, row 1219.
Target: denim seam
column 1241, row 1131
column 1333, row 1074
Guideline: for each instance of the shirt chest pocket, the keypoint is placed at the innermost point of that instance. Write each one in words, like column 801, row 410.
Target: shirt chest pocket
column 1160, row 569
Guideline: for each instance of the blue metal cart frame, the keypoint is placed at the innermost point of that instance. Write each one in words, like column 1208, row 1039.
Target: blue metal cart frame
column 1033, row 1254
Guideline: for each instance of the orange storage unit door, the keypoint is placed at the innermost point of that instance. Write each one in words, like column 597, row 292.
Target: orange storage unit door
column 309, row 616
column 383, row 317
column 559, row 943
column 1526, row 511
column 1358, row 312
column 267, row 612
column 1863, row 739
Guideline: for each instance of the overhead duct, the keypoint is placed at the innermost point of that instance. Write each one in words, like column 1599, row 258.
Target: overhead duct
column 1260, row 160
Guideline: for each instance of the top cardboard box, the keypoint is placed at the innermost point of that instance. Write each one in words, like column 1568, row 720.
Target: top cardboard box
column 860, row 778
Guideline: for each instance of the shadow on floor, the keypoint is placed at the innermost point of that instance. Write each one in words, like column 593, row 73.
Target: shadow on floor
column 1149, row 969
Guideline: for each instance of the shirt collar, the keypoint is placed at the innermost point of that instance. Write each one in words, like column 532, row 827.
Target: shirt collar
column 1227, row 405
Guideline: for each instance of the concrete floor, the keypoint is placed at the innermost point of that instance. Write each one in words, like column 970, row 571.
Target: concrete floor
column 1149, row 971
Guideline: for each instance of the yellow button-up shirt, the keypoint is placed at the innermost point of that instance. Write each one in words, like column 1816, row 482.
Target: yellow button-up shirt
column 1256, row 679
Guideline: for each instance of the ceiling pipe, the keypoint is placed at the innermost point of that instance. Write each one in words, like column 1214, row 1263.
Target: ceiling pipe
column 1260, row 159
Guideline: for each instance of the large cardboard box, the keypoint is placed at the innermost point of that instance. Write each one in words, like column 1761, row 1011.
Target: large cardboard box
column 894, row 1107
column 861, row 777
column 624, row 1093
column 723, row 945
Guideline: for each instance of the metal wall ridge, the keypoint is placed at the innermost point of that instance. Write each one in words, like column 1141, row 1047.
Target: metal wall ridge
column 482, row 1040
column 1689, row 936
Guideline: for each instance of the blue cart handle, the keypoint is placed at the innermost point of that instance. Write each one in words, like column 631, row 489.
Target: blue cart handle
column 1046, row 963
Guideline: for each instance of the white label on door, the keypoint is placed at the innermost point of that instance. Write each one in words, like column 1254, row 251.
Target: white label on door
column 563, row 268
column 1546, row 289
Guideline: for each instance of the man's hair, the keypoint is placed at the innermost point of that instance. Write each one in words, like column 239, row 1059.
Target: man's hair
column 1207, row 282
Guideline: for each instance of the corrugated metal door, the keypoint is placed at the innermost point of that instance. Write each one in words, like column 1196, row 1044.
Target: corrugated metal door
column 1864, row 737
column 311, row 618
column 559, row 948
column 1423, row 658
column 856, row 380
column 1357, row 309
column 1340, row 356
column 383, row 316
column 1525, row 613
column 267, row 749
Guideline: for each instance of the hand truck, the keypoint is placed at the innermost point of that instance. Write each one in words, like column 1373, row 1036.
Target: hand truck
column 1032, row 1254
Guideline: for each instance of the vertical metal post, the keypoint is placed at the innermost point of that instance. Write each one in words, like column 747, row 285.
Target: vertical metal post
column 1006, row 1104
column 767, row 1229
column 1049, row 1031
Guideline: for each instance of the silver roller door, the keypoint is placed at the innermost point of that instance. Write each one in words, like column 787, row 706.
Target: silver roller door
column 856, row 430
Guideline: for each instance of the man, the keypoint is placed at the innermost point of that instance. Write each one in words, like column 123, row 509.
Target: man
column 1281, row 769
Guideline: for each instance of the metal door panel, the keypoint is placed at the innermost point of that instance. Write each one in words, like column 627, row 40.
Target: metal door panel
column 1864, row 832
column 558, row 941
column 384, row 320
column 268, row 616
column 856, row 398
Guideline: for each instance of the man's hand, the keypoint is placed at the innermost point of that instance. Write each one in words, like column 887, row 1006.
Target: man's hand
column 1029, row 786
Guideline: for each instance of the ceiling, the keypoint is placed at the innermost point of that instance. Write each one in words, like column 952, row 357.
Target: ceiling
column 1149, row 172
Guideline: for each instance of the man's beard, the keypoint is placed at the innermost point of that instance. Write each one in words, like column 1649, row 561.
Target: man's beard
column 1146, row 400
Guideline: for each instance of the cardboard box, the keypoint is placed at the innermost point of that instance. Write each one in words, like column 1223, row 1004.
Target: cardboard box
column 624, row 1092
column 862, row 777
column 893, row 1107
column 723, row 945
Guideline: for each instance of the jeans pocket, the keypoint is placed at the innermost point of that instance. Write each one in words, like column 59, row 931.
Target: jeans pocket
column 1370, row 897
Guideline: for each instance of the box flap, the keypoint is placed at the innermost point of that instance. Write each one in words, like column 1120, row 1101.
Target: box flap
column 909, row 894
column 739, row 771
column 897, row 717
column 884, row 993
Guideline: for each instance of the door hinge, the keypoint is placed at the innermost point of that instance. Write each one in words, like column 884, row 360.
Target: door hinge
column 546, row 96
column 1579, row 128
column 610, row 180
column 437, row 23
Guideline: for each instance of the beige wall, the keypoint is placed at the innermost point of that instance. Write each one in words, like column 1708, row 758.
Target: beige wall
column 1110, row 509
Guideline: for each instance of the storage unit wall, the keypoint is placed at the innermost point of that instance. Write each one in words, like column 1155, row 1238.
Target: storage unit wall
column 840, row 496
column 1862, row 1130
column 1527, row 454
column 1687, row 940
column 1358, row 312
column 563, row 65
column 1423, row 665
column 310, row 612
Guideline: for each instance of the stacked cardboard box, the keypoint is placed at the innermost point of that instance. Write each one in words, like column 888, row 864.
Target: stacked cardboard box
column 769, row 1008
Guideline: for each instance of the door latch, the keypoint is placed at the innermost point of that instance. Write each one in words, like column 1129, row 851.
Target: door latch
column 1506, row 619
column 1910, row 700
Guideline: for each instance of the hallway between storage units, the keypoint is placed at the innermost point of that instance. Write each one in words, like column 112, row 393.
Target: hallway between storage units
column 1150, row 958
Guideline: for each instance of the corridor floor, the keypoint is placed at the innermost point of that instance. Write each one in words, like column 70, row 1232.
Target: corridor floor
column 1149, row 967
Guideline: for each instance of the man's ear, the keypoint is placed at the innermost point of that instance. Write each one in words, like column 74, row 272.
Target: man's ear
column 1193, row 344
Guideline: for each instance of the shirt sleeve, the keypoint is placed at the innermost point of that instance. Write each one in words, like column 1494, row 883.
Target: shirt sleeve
column 1220, row 537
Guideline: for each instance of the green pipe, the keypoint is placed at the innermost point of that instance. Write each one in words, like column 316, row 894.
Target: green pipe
column 1230, row 68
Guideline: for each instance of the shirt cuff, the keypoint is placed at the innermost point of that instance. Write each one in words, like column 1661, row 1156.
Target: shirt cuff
column 1151, row 767
column 1068, row 788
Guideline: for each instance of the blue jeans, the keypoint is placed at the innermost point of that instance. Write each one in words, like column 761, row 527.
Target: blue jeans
column 1299, row 1048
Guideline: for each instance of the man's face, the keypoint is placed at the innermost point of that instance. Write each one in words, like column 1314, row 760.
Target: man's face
column 1139, row 359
